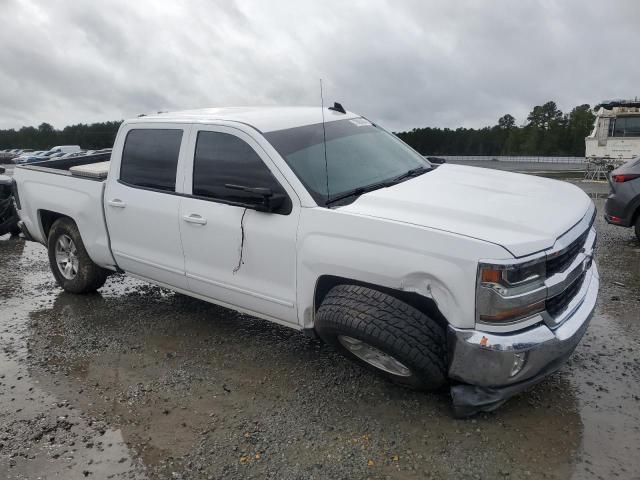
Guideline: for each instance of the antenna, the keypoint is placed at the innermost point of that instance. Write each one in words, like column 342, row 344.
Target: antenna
column 324, row 139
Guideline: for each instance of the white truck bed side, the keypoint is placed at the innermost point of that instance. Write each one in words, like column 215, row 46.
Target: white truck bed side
column 76, row 197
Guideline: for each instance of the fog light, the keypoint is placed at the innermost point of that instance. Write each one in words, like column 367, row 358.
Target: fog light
column 519, row 359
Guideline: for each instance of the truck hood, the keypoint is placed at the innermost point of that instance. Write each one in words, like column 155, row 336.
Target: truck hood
column 523, row 213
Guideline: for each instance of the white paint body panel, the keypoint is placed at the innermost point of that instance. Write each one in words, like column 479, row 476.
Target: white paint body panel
column 77, row 198
column 523, row 213
column 144, row 225
column 265, row 281
column 425, row 235
column 435, row 264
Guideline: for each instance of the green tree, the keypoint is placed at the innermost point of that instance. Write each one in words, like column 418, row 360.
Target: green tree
column 579, row 125
column 506, row 122
column 544, row 116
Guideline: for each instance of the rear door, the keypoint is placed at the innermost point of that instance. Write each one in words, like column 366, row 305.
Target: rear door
column 235, row 255
column 141, row 203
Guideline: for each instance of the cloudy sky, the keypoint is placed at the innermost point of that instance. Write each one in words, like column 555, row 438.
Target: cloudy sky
column 404, row 63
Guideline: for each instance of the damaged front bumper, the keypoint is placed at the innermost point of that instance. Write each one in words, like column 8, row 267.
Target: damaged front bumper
column 493, row 367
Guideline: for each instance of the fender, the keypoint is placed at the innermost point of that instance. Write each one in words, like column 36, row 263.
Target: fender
column 439, row 266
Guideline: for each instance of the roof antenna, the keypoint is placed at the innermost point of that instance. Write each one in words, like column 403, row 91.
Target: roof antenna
column 324, row 139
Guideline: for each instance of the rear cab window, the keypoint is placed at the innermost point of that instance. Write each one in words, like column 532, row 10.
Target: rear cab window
column 150, row 158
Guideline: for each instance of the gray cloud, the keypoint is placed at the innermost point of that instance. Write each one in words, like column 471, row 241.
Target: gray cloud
column 404, row 63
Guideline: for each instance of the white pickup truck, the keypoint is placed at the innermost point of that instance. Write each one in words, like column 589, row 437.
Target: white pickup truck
column 321, row 220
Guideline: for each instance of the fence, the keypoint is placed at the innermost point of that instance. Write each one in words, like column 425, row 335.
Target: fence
column 509, row 158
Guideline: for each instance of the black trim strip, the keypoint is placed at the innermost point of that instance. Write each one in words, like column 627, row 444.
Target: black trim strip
column 198, row 197
column 55, row 171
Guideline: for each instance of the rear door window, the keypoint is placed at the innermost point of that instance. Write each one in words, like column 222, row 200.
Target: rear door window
column 150, row 158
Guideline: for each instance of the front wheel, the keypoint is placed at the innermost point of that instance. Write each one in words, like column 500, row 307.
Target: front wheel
column 384, row 334
column 72, row 268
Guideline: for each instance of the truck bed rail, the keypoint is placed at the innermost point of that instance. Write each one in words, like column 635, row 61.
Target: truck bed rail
column 62, row 166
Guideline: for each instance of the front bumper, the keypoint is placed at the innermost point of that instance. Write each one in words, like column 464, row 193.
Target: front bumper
column 485, row 362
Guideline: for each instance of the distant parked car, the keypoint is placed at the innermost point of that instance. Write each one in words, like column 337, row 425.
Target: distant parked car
column 98, row 152
column 73, row 155
column 24, row 157
column 12, row 153
column 66, row 149
column 56, row 152
column 31, row 157
column 20, row 151
column 622, row 207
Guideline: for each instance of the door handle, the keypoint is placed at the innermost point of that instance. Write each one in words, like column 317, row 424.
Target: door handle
column 116, row 202
column 195, row 218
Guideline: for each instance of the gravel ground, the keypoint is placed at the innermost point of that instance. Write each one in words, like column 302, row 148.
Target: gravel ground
column 136, row 382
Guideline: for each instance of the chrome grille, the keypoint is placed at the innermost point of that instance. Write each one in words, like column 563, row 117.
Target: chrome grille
column 560, row 261
column 555, row 305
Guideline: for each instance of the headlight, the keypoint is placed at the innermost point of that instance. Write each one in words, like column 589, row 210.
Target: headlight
column 509, row 293
column 512, row 276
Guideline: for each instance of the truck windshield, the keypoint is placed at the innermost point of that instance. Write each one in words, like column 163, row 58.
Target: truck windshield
column 360, row 155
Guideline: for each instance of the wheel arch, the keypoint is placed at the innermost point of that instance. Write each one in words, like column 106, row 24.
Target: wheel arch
column 421, row 303
column 47, row 218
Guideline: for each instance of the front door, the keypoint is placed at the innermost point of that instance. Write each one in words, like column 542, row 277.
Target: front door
column 141, row 205
column 235, row 255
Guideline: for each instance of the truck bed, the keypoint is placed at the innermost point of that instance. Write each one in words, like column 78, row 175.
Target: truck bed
column 47, row 190
column 64, row 166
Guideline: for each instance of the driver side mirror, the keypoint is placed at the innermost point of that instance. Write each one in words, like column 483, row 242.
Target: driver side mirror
column 267, row 201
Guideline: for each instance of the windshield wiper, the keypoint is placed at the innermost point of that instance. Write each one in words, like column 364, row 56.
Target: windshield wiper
column 357, row 192
column 414, row 172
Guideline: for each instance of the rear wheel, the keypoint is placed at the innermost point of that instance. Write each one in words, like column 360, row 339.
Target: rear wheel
column 71, row 266
column 384, row 334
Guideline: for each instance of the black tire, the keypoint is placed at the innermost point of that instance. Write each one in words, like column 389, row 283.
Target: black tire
column 9, row 226
column 89, row 277
column 390, row 326
column 9, row 221
column 637, row 228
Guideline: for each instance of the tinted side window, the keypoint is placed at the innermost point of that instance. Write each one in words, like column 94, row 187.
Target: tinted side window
column 222, row 159
column 150, row 158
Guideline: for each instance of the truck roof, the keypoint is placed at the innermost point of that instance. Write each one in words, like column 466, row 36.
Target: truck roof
column 264, row 119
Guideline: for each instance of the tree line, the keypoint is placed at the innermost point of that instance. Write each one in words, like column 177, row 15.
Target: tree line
column 43, row 137
column 548, row 131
